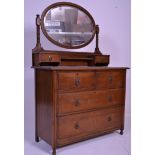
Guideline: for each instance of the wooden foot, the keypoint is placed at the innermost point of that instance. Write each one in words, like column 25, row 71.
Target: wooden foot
column 37, row 139
column 121, row 132
column 54, row 152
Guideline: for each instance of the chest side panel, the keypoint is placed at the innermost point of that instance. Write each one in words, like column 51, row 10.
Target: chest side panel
column 43, row 104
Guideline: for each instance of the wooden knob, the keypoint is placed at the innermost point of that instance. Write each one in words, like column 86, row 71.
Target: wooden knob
column 77, row 82
column 110, row 78
column 109, row 98
column 77, row 126
column 50, row 58
column 77, row 102
column 109, row 119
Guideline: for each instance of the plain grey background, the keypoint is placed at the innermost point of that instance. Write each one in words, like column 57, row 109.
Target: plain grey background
column 113, row 17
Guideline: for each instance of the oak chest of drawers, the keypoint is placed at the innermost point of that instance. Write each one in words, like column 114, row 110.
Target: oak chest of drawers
column 77, row 96
column 78, row 103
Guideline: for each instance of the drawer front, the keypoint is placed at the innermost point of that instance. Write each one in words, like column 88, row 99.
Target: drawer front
column 74, row 81
column 79, row 125
column 102, row 60
column 71, row 102
column 49, row 58
column 110, row 79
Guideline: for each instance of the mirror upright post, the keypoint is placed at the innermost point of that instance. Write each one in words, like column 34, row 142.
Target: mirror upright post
column 97, row 50
column 38, row 44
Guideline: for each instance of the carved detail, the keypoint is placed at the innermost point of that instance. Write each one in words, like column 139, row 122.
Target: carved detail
column 97, row 50
column 38, row 47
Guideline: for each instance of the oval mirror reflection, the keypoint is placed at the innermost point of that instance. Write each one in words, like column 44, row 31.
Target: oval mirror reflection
column 68, row 27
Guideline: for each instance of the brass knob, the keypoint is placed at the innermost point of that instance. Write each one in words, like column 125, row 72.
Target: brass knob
column 49, row 58
column 77, row 102
column 77, row 126
column 109, row 119
column 77, row 82
column 110, row 78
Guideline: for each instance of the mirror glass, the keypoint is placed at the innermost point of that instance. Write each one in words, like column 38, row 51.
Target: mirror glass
column 68, row 26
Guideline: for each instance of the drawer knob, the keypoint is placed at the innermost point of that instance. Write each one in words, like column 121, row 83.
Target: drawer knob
column 77, row 126
column 77, row 102
column 109, row 119
column 77, row 82
column 50, row 58
column 110, row 98
column 110, row 78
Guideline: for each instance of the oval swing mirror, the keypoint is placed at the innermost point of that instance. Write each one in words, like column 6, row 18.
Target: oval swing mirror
column 68, row 25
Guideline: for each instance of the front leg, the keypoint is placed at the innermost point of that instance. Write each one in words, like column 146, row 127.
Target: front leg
column 54, row 152
column 36, row 138
column 121, row 132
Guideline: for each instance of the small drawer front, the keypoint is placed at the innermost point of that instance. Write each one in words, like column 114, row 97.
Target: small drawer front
column 101, row 60
column 49, row 58
column 71, row 102
column 74, row 81
column 79, row 125
column 110, row 79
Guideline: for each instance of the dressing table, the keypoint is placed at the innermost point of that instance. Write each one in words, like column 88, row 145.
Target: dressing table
column 77, row 96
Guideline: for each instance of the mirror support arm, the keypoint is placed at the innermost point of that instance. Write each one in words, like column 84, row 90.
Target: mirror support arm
column 38, row 44
column 97, row 50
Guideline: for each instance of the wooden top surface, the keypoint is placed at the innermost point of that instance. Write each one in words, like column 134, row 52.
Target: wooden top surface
column 78, row 68
column 69, row 52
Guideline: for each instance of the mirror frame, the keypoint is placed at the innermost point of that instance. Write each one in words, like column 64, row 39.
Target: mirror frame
column 55, row 5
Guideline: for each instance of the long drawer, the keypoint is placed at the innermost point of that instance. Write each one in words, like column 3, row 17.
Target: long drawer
column 83, row 124
column 81, row 81
column 79, row 101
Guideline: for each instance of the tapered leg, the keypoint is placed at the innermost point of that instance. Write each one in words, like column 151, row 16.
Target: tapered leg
column 36, row 138
column 36, row 134
column 54, row 152
column 121, row 131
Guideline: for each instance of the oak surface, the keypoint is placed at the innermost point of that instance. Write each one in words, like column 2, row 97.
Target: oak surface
column 76, row 103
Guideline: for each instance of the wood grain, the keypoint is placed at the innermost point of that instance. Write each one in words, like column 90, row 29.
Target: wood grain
column 71, row 81
column 85, row 123
column 77, row 103
column 81, row 101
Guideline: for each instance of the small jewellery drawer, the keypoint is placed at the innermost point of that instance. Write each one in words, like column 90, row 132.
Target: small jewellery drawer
column 70, row 102
column 74, row 81
column 46, row 57
column 82, row 124
column 110, row 79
